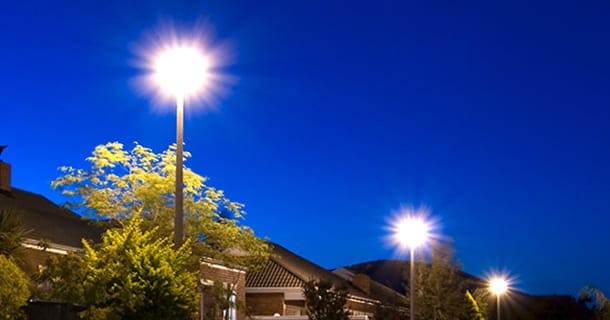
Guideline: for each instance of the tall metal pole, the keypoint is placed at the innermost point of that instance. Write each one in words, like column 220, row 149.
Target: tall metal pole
column 498, row 306
column 179, row 198
column 412, row 284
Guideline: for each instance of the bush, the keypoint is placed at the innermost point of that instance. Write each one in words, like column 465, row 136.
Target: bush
column 14, row 291
column 324, row 302
column 132, row 274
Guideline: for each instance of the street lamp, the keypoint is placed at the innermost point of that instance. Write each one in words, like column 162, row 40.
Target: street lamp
column 498, row 285
column 412, row 231
column 180, row 72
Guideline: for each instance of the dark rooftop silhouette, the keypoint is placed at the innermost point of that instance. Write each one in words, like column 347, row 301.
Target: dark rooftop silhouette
column 48, row 221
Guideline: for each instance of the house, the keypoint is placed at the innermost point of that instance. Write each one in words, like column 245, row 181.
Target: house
column 231, row 280
column 277, row 288
column 54, row 230
column 51, row 228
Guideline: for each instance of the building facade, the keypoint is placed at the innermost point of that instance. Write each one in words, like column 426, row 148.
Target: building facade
column 223, row 290
column 277, row 289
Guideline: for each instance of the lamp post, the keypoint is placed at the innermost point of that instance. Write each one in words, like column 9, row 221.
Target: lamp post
column 180, row 72
column 412, row 232
column 498, row 286
column 412, row 284
column 179, row 197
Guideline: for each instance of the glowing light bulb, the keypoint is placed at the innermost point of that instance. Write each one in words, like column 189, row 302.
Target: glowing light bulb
column 412, row 231
column 181, row 71
column 498, row 285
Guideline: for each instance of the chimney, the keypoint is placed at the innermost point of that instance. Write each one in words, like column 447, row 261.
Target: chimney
column 5, row 176
column 362, row 282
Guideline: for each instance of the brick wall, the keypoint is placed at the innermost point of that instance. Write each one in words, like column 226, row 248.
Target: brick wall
column 228, row 278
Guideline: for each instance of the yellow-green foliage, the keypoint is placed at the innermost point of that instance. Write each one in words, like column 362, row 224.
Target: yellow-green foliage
column 132, row 274
column 14, row 291
column 477, row 305
column 120, row 183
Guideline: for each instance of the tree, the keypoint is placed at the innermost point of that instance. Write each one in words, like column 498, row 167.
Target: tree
column 441, row 288
column 596, row 300
column 62, row 279
column 14, row 291
column 323, row 302
column 478, row 303
column 132, row 274
column 12, row 235
column 120, row 183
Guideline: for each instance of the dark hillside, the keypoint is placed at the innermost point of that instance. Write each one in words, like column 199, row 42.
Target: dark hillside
column 518, row 306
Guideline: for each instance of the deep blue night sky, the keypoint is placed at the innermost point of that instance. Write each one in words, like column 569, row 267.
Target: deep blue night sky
column 493, row 114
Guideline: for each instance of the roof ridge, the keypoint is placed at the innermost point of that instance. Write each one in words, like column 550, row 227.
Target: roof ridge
column 60, row 209
column 324, row 274
column 283, row 266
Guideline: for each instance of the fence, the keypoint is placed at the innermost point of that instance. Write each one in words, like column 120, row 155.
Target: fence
column 301, row 318
column 45, row 310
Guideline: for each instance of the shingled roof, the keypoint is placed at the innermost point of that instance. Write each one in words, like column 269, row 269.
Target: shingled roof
column 48, row 221
column 273, row 276
column 287, row 269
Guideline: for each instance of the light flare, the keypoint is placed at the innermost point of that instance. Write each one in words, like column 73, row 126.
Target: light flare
column 411, row 228
column 412, row 231
column 500, row 282
column 498, row 285
column 184, row 64
column 181, row 71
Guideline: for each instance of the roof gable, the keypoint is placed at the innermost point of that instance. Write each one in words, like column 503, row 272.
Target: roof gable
column 287, row 269
column 273, row 275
